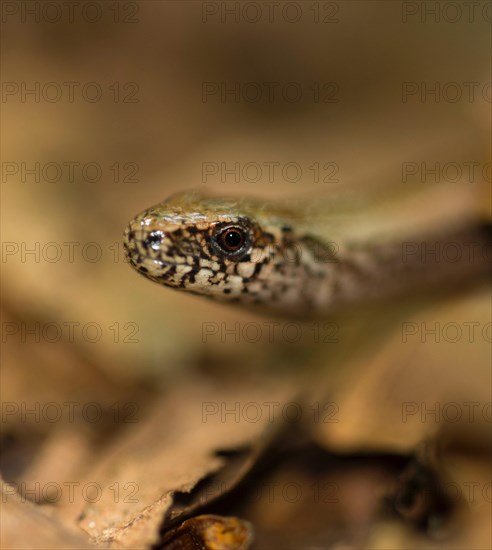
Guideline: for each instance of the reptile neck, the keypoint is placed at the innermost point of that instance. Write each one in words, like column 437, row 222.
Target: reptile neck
column 360, row 273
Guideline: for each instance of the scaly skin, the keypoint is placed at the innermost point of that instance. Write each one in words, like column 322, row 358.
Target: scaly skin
column 247, row 252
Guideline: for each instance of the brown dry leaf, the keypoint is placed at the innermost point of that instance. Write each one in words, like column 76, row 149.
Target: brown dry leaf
column 412, row 387
column 26, row 525
column 210, row 533
column 171, row 451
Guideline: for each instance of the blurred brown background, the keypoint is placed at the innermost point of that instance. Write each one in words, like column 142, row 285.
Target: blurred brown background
column 148, row 115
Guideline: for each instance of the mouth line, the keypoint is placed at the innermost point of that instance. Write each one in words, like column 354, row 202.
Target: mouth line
column 157, row 269
column 169, row 266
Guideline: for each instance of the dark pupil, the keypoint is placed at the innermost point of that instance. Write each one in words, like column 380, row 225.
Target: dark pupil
column 232, row 239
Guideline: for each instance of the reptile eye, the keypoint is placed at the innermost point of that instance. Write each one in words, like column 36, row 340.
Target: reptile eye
column 232, row 240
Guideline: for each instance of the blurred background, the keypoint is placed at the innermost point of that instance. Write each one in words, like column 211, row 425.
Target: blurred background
column 109, row 107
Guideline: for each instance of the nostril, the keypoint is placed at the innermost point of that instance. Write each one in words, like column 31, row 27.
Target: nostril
column 154, row 239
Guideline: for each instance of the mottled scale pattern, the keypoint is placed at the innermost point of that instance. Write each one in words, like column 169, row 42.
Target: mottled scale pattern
column 180, row 243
